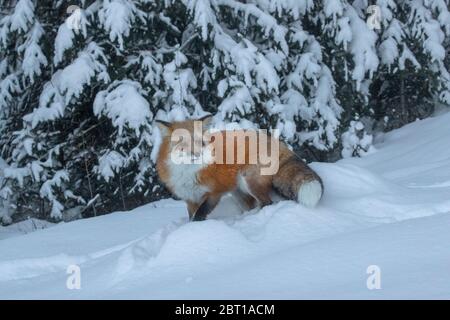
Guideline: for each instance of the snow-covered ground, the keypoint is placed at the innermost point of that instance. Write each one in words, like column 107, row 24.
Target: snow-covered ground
column 23, row 227
column 389, row 209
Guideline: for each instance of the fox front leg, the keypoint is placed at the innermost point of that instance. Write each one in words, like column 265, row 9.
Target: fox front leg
column 192, row 208
column 205, row 208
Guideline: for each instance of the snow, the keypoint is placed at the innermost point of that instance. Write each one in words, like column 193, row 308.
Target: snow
column 149, row 67
column 46, row 191
column 116, row 17
column 294, row 7
column 76, row 23
column 362, row 48
column 324, row 104
column 8, row 86
column 356, row 141
column 266, row 21
column 389, row 209
column 63, row 42
column 23, row 227
column 16, row 173
column 69, row 83
column 33, row 57
column 240, row 100
column 124, row 104
column 23, row 15
column 203, row 15
column 109, row 163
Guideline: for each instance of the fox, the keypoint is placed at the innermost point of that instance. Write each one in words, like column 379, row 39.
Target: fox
column 201, row 184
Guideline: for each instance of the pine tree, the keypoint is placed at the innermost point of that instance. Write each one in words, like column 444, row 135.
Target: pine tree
column 413, row 75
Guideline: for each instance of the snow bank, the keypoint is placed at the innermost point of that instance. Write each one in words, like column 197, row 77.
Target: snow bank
column 23, row 227
column 388, row 209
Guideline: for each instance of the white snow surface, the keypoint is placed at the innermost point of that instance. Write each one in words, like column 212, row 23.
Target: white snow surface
column 23, row 227
column 389, row 209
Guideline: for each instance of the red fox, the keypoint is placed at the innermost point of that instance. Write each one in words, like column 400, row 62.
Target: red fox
column 202, row 183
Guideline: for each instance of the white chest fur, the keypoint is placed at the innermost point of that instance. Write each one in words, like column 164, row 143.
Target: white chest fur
column 183, row 181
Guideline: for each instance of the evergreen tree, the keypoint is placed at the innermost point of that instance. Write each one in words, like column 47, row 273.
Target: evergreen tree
column 413, row 75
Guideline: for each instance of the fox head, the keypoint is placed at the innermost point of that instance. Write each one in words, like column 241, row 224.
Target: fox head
column 186, row 140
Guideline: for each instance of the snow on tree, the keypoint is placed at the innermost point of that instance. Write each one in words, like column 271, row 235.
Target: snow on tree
column 413, row 75
column 356, row 141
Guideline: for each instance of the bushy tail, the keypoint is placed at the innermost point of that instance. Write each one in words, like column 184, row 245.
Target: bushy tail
column 296, row 181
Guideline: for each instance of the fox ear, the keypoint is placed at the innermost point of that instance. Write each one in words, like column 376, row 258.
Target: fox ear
column 206, row 121
column 163, row 126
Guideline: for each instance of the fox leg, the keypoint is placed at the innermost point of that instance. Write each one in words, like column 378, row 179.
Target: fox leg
column 259, row 188
column 262, row 195
column 208, row 205
column 192, row 208
column 246, row 201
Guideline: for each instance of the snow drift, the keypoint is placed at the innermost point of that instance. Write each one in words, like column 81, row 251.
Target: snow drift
column 388, row 209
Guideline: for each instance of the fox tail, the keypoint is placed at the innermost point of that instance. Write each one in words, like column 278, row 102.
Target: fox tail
column 295, row 180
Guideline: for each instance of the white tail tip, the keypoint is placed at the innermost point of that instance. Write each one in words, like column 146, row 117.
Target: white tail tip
column 310, row 193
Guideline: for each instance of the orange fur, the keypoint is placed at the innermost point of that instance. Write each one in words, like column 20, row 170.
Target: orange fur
column 243, row 179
